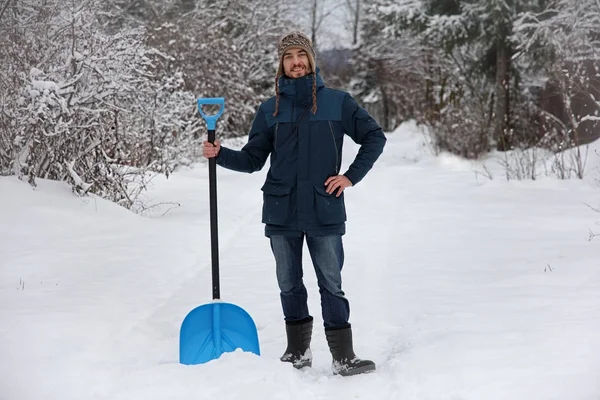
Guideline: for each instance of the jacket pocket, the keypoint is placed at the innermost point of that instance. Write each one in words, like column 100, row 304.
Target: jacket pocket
column 276, row 204
column 330, row 209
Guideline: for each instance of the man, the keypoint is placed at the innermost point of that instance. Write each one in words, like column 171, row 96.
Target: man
column 302, row 128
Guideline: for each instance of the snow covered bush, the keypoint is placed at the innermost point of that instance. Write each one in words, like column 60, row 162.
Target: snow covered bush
column 102, row 94
column 73, row 85
column 459, row 132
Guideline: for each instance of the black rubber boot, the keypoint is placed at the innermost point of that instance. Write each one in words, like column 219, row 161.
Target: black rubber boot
column 345, row 362
column 298, row 351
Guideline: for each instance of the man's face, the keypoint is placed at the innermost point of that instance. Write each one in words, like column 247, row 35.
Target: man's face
column 295, row 63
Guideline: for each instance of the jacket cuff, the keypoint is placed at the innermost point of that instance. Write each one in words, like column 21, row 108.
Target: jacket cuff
column 222, row 156
column 351, row 177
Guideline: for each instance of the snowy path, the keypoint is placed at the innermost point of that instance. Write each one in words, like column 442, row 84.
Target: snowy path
column 448, row 275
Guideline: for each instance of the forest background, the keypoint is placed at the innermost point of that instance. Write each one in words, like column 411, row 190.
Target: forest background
column 102, row 94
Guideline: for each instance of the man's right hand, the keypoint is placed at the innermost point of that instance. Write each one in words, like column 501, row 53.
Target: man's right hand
column 210, row 150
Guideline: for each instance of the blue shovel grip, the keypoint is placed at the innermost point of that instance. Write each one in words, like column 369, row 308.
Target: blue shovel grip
column 211, row 120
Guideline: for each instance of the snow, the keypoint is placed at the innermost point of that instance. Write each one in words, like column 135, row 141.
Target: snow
column 460, row 287
column 44, row 86
column 33, row 72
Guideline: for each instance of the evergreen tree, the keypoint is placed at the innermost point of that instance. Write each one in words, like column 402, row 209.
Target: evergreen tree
column 473, row 98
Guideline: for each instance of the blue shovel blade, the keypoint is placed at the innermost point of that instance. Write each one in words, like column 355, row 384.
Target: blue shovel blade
column 213, row 329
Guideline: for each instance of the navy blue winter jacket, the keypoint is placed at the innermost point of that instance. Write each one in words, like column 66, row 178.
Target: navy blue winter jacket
column 305, row 150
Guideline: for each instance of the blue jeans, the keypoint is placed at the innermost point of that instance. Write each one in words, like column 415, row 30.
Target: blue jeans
column 327, row 254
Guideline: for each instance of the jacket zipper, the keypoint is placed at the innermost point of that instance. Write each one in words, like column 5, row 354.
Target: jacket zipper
column 275, row 141
column 334, row 148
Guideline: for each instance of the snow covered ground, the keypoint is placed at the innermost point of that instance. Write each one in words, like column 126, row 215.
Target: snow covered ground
column 460, row 288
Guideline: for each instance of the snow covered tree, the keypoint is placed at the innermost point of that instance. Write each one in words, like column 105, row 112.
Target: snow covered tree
column 390, row 64
column 567, row 34
column 484, row 52
column 223, row 48
column 474, row 101
column 353, row 18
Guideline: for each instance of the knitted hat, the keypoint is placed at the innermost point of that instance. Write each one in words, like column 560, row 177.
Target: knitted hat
column 296, row 39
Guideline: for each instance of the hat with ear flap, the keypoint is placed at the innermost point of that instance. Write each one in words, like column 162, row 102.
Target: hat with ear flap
column 296, row 39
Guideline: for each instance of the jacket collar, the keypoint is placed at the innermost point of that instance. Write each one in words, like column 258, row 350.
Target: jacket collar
column 300, row 88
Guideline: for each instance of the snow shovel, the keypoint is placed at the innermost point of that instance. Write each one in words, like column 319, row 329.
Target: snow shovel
column 212, row 329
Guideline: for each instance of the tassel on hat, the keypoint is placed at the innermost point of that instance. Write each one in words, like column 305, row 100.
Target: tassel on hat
column 296, row 39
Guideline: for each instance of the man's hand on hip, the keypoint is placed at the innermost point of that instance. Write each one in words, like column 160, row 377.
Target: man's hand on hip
column 339, row 182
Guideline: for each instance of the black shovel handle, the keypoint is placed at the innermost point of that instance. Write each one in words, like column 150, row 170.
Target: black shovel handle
column 211, row 125
column 214, row 233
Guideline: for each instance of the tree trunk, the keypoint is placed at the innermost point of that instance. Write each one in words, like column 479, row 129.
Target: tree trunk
column 4, row 8
column 502, row 134
column 356, row 21
column 386, row 110
column 314, row 24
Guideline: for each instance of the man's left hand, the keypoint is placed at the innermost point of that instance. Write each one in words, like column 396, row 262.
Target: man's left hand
column 339, row 182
